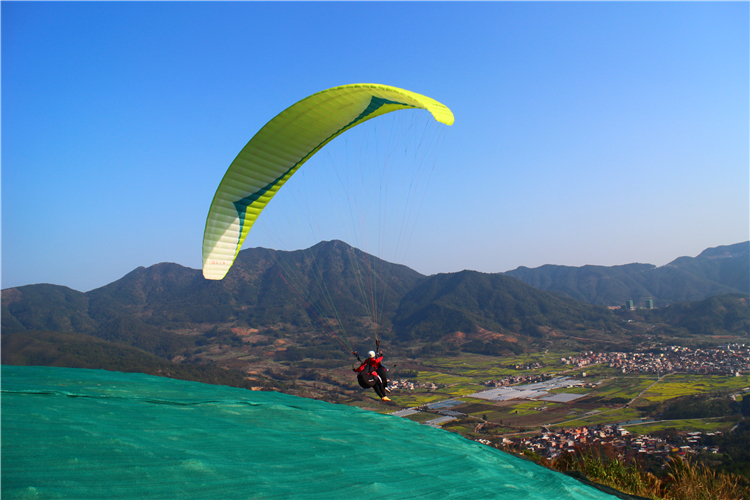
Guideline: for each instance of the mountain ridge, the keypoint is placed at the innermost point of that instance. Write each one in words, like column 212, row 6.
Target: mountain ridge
column 272, row 311
column 168, row 299
column 715, row 271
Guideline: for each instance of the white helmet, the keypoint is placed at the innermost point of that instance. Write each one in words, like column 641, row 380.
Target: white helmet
column 371, row 354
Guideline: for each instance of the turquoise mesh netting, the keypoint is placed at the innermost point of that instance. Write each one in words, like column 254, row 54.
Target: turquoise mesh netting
column 85, row 434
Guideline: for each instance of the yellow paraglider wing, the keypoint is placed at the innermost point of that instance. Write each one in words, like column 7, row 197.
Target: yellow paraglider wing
column 280, row 148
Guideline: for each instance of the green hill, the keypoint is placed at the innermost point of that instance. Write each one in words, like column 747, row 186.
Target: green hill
column 727, row 265
column 265, row 287
column 46, row 307
column 172, row 312
column 719, row 315
column 470, row 301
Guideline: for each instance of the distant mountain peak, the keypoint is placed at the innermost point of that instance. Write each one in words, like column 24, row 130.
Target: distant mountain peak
column 716, row 271
column 726, row 251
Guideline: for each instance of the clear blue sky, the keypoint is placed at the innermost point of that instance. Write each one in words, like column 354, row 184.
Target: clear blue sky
column 585, row 133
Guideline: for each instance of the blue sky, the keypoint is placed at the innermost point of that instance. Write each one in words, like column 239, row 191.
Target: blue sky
column 586, row 133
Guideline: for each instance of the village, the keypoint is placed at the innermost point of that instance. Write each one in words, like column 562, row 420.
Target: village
column 516, row 379
column 729, row 360
column 407, row 385
column 623, row 444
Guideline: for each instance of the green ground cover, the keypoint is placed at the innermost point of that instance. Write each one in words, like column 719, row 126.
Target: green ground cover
column 412, row 399
column 421, row 418
column 593, row 371
column 444, row 378
column 624, row 387
column 451, row 385
column 574, row 413
column 477, row 401
column 668, row 390
column 714, row 381
column 490, row 416
column 472, row 365
column 464, row 430
column 488, row 367
column 480, row 373
column 528, row 407
column 687, row 425
column 673, row 386
column 605, row 416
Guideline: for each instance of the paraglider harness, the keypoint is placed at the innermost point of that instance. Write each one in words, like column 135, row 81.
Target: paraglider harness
column 366, row 378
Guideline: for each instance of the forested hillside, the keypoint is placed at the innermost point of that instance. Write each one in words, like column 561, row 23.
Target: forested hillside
column 469, row 300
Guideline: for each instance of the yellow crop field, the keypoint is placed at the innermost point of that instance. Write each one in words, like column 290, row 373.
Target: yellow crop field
column 669, row 390
column 411, row 399
column 675, row 386
column 688, row 425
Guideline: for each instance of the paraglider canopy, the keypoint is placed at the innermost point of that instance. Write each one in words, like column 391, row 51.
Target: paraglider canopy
column 281, row 147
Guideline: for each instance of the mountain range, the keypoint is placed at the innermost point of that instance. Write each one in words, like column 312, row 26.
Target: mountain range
column 334, row 291
column 716, row 271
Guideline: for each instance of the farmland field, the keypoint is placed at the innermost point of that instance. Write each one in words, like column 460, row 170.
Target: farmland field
column 687, row 425
column 606, row 394
column 673, row 386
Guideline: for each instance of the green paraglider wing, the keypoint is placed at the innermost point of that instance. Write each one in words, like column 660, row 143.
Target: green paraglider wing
column 281, row 147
